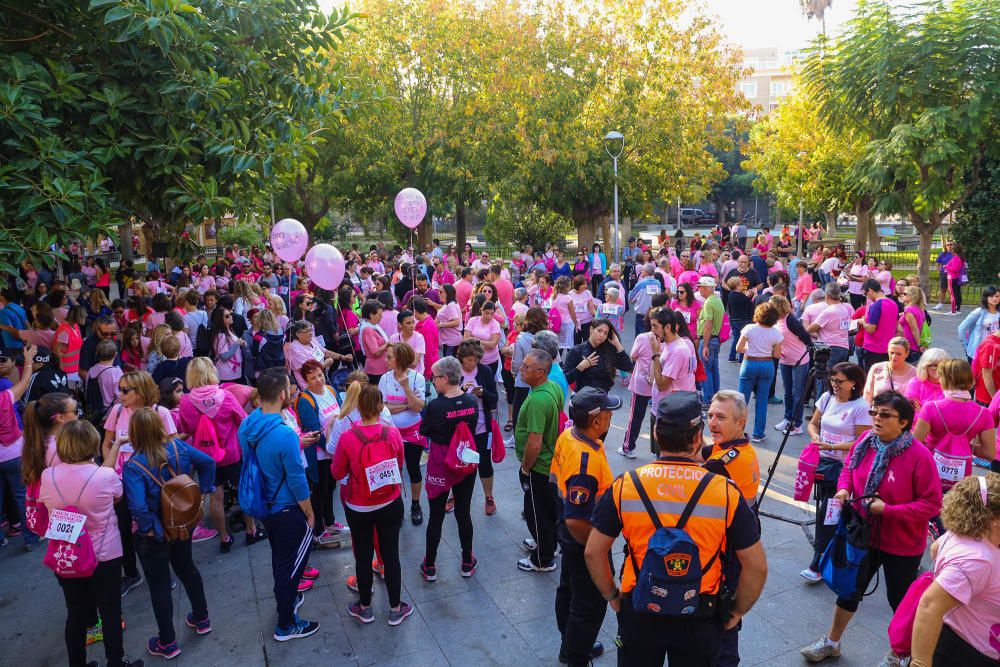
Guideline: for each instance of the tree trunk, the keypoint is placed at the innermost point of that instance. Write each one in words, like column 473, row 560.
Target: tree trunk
column 460, row 225
column 608, row 234
column 831, row 220
column 585, row 231
column 777, row 217
column 865, row 234
column 739, row 208
column 926, row 229
column 720, row 209
column 125, row 241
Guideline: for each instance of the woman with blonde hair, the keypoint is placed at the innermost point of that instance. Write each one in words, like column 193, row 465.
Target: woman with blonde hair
column 926, row 386
column 157, row 459
column 277, row 306
column 136, row 389
column 957, row 620
column 245, row 296
column 210, row 411
column 911, row 320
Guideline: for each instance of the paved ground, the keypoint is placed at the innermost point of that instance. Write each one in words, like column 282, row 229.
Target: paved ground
column 502, row 616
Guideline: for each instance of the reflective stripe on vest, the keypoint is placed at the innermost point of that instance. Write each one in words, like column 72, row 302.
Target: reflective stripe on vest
column 70, row 362
column 669, row 486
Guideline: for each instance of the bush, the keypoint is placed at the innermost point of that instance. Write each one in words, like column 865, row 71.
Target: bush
column 517, row 225
column 975, row 227
column 243, row 233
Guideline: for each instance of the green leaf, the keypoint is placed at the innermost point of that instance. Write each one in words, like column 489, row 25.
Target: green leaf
column 117, row 14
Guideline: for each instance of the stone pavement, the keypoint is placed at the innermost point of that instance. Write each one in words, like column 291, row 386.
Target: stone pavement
column 501, row 616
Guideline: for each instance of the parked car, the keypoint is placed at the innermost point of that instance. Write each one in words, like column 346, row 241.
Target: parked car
column 696, row 216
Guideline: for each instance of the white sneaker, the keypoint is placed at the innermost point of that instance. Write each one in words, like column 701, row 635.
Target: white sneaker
column 528, row 545
column 796, row 431
column 939, row 306
column 627, row 454
column 810, row 576
column 780, row 426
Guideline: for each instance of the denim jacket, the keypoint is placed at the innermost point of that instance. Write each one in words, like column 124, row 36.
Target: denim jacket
column 144, row 494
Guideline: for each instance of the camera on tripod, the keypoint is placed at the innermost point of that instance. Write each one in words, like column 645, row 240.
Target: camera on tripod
column 821, row 360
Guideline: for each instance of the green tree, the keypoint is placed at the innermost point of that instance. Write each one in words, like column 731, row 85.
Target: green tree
column 921, row 83
column 975, row 226
column 156, row 110
column 516, row 225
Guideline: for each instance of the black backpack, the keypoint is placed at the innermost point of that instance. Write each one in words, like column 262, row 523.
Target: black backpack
column 268, row 350
column 202, row 342
column 94, row 409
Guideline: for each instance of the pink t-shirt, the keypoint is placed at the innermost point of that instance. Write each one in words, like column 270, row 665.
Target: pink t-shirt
column 416, row 341
column 389, row 323
column 96, row 502
column 11, row 442
column 918, row 317
column 803, row 287
column 811, row 312
column 834, row 324
column 690, row 313
column 881, row 379
column 690, row 277
column 642, row 355
column 677, row 361
column 475, row 328
column 505, row 293
column 968, row 569
column 463, row 294
column 562, row 303
column 450, row 336
column 793, row 350
column 921, row 391
column 117, row 423
column 371, row 340
column 581, row 303
column 857, row 273
column 957, row 417
column 185, row 341
column 427, row 328
column 884, row 313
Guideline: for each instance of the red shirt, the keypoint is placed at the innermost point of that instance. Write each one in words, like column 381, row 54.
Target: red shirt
column 347, row 461
column 428, row 328
column 987, row 359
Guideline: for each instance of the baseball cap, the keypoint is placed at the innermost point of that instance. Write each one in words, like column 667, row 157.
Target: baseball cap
column 706, row 281
column 43, row 356
column 592, row 401
column 681, row 409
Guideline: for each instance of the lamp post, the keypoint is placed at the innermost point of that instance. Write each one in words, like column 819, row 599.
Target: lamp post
column 611, row 139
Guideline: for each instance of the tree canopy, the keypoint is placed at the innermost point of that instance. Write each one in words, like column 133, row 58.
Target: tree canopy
column 155, row 110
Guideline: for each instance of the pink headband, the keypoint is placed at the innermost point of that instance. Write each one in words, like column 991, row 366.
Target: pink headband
column 983, row 491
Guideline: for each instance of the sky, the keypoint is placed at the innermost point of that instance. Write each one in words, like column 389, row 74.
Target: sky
column 759, row 23
column 780, row 23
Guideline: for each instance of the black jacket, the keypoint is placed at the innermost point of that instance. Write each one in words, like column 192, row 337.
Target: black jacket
column 601, row 376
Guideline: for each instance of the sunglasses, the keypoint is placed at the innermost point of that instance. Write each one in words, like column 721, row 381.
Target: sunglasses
column 125, row 390
column 836, row 382
column 438, row 377
column 882, row 415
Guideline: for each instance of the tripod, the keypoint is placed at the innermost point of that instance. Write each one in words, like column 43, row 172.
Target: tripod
column 818, row 373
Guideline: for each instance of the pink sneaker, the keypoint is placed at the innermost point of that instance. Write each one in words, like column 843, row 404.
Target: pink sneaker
column 202, row 534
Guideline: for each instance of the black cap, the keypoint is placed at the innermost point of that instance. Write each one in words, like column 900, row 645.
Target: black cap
column 592, row 401
column 681, row 409
column 43, row 356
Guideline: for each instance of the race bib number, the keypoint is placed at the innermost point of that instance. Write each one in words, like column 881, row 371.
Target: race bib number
column 949, row 469
column 318, row 354
column 382, row 474
column 547, row 304
column 581, row 308
column 65, row 526
column 845, row 325
column 652, row 289
column 610, row 310
column 831, row 438
column 833, row 509
column 282, row 290
column 687, row 316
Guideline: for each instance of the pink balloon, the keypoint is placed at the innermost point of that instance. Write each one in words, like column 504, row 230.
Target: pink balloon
column 411, row 206
column 289, row 239
column 325, row 266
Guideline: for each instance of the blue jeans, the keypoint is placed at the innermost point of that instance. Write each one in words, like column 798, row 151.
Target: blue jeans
column 737, row 327
column 793, row 379
column 10, row 478
column 640, row 324
column 711, row 363
column 756, row 377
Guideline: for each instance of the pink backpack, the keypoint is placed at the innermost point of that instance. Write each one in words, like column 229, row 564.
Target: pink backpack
column 555, row 319
column 206, row 438
column 461, row 440
column 36, row 514
column 726, row 331
column 71, row 560
column 806, row 474
column 953, row 453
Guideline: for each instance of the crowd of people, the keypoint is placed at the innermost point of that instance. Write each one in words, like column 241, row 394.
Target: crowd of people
column 239, row 383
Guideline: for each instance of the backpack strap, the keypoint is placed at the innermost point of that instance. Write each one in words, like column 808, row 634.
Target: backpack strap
column 647, row 503
column 82, row 488
column 695, row 497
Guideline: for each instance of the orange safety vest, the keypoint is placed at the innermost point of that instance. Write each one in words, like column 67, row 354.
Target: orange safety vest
column 669, row 484
column 740, row 464
column 70, row 361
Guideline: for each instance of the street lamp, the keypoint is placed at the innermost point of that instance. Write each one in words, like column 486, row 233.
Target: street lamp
column 611, row 139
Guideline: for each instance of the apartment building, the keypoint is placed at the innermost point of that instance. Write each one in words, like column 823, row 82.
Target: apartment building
column 770, row 79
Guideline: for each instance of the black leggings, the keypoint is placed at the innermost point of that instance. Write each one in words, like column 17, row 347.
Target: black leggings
column 636, row 417
column 508, row 385
column 321, row 497
column 485, row 456
column 857, row 300
column 411, row 455
column 463, row 516
column 386, row 521
column 595, row 283
column 583, row 334
column 898, row 571
column 129, row 566
column 101, row 589
column 158, row 558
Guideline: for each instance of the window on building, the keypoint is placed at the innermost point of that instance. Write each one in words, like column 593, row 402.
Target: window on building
column 749, row 89
column 778, row 88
